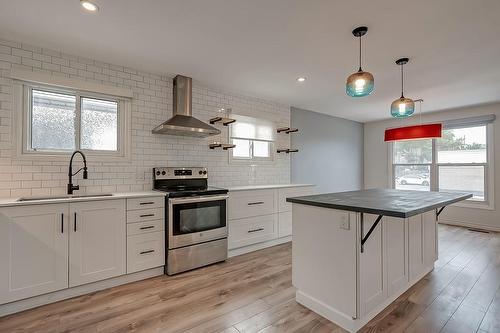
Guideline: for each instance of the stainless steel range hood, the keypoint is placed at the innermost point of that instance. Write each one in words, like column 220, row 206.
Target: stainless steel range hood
column 182, row 122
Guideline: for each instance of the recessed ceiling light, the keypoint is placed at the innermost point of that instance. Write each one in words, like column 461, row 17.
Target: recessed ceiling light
column 88, row 5
column 301, row 79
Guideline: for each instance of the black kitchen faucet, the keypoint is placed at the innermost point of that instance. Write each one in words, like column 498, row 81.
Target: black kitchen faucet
column 72, row 187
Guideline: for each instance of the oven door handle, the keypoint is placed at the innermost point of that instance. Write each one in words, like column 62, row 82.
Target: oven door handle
column 177, row 201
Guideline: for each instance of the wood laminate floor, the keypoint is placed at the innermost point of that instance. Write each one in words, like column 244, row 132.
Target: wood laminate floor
column 254, row 293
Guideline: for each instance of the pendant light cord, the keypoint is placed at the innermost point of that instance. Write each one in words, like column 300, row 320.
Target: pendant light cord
column 402, row 82
column 359, row 70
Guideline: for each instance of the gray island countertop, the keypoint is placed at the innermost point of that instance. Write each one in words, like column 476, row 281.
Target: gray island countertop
column 387, row 202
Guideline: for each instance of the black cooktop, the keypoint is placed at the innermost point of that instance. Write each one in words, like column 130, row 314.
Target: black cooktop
column 175, row 192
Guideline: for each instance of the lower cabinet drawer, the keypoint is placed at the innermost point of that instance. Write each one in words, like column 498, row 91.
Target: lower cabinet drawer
column 252, row 230
column 145, row 215
column 145, row 227
column 285, row 224
column 145, row 251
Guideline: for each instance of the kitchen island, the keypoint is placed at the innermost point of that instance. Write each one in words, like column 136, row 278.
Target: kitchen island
column 355, row 252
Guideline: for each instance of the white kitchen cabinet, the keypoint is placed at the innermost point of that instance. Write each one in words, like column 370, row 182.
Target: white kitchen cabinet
column 243, row 204
column 259, row 218
column 97, row 241
column 395, row 230
column 285, row 224
column 252, row 230
column 145, row 251
column 33, row 250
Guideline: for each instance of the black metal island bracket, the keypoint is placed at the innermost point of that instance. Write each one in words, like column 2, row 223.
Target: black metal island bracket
column 374, row 225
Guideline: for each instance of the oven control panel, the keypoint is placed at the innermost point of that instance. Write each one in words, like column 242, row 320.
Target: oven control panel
column 180, row 173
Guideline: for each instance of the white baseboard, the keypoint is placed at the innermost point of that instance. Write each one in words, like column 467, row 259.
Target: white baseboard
column 258, row 246
column 469, row 225
column 343, row 320
column 60, row 295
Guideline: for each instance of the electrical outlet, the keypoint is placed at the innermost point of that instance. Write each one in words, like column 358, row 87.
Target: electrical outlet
column 344, row 223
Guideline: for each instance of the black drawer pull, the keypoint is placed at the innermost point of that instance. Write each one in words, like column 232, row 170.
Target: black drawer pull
column 147, row 215
column 62, row 223
column 148, row 227
column 148, row 251
column 255, row 230
column 146, row 203
column 255, row 203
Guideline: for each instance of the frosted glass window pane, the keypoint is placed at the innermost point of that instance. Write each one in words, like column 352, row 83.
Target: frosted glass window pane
column 468, row 179
column 412, row 177
column 463, row 145
column 99, row 122
column 413, row 152
column 242, row 149
column 52, row 121
column 261, row 149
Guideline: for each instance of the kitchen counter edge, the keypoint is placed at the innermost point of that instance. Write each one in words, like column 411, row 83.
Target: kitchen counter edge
column 264, row 187
column 10, row 202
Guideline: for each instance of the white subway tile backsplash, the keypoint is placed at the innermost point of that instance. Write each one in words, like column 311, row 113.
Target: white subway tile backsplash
column 151, row 105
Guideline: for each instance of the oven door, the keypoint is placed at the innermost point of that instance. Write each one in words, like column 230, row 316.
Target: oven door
column 196, row 220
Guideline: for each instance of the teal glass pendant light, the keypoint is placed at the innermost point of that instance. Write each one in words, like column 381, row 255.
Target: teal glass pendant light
column 402, row 107
column 361, row 83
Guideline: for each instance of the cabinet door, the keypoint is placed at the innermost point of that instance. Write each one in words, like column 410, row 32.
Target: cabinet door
column 33, row 250
column 415, row 246
column 372, row 270
column 396, row 252
column 97, row 241
column 430, row 238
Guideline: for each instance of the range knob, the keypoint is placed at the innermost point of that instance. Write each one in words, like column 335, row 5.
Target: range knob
column 163, row 173
column 205, row 172
column 157, row 173
column 200, row 172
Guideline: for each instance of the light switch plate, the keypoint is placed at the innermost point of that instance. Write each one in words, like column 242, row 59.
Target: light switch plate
column 344, row 223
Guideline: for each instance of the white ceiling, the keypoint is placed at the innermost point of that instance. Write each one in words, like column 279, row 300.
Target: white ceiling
column 259, row 47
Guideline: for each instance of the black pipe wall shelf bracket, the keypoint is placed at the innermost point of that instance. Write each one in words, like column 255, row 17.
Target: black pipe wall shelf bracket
column 287, row 130
column 287, row 150
column 224, row 146
column 225, row 121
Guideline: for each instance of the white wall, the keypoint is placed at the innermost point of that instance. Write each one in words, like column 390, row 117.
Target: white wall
column 330, row 151
column 376, row 161
column 151, row 105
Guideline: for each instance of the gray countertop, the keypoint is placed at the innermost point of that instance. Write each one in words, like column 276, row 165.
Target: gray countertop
column 387, row 202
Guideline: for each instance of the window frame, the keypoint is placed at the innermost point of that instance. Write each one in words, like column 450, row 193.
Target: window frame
column 24, row 100
column 489, row 202
column 253, row 158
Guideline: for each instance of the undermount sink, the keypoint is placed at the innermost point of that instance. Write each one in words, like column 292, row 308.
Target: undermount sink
column 65, row 197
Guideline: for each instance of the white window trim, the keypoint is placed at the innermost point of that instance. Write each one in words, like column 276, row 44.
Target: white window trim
column 21, row 133
column 252, row 159
column 489, row 190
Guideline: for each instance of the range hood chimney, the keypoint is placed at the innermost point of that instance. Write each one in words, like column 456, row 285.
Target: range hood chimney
column 182, row 122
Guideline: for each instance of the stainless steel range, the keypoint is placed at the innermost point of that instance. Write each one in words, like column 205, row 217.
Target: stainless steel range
column 196, row 218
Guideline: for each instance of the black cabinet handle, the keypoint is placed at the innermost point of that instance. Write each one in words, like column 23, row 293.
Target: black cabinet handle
column 74, row 222
column 62, row 223
column 146, row 203
column 255, row 230
column 148, row 251
column 148, row 227
column 147, row 215
column 255, row 203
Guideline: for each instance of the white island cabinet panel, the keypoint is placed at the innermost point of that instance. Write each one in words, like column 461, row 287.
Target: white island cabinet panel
column 373, row 264
column 97, row 241
column 33, row 250
column 395, row 231
column 332, row 244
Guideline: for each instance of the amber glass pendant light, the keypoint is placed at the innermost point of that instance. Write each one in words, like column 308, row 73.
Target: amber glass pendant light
column 361, row 83
column 402, row 107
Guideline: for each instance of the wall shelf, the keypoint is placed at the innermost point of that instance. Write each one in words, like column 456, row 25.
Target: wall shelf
column 224, row 146
column 225, row 121
column 287, row 130
column 287, row 150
